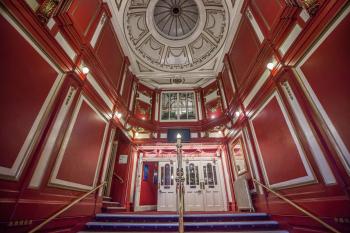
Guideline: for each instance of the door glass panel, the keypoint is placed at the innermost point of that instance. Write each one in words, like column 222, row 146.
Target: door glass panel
column 145, row 172
column 210, row 175
column 162, row 176
column 205, row 175
column 197, row 176
column 215, row 178
column 187, row 176
column 192, row 176
column 167, row 176
column 172, row 175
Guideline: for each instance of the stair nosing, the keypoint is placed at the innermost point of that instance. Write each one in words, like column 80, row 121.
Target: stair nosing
column 272, row 222
column 175, row 215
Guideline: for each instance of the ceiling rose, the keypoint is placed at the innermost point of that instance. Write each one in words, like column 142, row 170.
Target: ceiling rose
column 176, row 19
column 175, row 35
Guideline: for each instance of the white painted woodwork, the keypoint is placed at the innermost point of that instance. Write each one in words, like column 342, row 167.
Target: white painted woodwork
column 166, row 200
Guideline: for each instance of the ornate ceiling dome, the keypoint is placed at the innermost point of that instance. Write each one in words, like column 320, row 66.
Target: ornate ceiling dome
column 175, row 35
column 176, row 19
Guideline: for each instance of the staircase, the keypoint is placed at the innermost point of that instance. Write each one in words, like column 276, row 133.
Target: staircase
column 151, row 222
column 109, row 206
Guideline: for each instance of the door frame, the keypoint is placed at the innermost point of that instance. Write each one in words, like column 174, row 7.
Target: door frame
column 141, row 159
column 220, row 170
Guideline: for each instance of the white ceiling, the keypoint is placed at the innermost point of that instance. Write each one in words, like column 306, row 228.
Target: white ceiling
column 165, row 60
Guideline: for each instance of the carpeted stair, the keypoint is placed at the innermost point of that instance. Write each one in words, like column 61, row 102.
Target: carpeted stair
column 222, row 222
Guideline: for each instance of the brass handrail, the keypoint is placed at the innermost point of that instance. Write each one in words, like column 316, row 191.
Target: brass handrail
column 65, row 208
column 121, row 180
column 329, row 227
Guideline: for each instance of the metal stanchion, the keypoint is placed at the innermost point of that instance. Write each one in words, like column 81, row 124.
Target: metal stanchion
column 180, row 184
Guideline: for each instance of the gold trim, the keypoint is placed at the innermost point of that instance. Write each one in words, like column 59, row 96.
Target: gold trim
column 65, row 209
column 329, row 227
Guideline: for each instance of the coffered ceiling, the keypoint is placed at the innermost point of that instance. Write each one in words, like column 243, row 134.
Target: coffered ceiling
column 175, row 43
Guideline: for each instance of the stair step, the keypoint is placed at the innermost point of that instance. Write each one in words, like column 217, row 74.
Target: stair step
column 115, row 207
column 111, row 202
column 106, row 198
column 188, row 217
column 188, row 225
column 259, row 231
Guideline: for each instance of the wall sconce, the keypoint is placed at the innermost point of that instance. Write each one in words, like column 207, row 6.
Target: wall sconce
column 85, row 70
column 118, row 115
column 270, row 65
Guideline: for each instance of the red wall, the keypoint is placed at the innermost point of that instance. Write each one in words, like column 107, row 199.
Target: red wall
column 276, row 144
column 110, row 55
column 25, row 70
column 20, row 79
column 143, row 110
column 327, row 77
column 244, row 51
column 84, row 145
column 149, row 190
column 66, row 141
column 304, row 78
column 119, row 191
column 227, row 85
column 83, row 14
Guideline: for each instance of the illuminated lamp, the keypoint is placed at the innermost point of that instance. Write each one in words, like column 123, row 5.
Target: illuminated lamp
column 85, row 70
column 270, row 66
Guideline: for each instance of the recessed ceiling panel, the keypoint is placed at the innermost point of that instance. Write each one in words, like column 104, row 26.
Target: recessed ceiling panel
column 176, row 35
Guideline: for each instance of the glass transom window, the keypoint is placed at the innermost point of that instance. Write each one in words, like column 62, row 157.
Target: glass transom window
column 178, row 106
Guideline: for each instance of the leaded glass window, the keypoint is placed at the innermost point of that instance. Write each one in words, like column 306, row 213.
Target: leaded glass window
column 178, row 106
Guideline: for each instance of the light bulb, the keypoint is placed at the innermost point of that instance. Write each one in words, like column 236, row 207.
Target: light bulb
column 119, row 115
column 237, row 114
column 212, row 116
column 85, row 70
column 270, row 66
column 178, row 136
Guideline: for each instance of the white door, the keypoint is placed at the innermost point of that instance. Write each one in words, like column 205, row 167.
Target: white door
column 194, row 199
column 213, row 192
column 204, row 190
column 166, row 187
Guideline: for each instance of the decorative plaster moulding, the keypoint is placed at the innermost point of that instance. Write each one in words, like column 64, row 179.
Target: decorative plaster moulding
column 196, row 55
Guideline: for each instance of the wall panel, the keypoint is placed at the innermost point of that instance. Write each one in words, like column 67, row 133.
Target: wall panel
column 227, row 85
column 109, row 54
column 268, row 10
column 282, row 158
column 325, row 80
column 82, row 13
column 244, row 51
column 127, row 86
column 79, row 157
column 20, row 78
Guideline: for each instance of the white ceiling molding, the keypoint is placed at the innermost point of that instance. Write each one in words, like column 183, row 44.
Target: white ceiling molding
column 193, row 53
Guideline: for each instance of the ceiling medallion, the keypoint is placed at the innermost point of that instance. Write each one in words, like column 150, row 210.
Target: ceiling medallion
column 176, row 19
column 176, row 35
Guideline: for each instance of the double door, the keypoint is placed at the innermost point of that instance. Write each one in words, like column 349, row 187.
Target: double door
column 204, row 190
